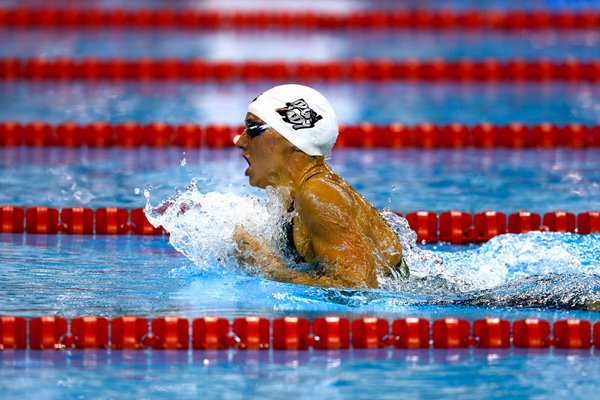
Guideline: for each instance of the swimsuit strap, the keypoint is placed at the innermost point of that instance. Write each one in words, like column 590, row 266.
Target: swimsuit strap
column 290, row 249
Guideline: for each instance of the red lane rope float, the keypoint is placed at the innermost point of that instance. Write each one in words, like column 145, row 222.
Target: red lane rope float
column 76, row 221
column 49, row 17
column 365, row 135
column 291, row 333
column 354, row 70
column 456, row 227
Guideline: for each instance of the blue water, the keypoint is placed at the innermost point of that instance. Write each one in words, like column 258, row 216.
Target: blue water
column 302, row 375
column 561, row 277
column 403, row 180
column 469, row 180
column 74, row 275
column 408, row 103
column 316, row 46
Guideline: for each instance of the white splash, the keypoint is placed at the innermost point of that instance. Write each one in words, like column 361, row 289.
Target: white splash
column 201, row 225
column 502, row 259
column 423, row 264
column 511, row 256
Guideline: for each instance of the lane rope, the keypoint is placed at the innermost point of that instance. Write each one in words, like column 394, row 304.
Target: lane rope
column 419, row 18
column 292, row 333
column 355, row 70
column 513, row 135
column 456, row 227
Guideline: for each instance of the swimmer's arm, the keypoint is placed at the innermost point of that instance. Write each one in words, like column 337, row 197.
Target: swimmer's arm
column 256, row 253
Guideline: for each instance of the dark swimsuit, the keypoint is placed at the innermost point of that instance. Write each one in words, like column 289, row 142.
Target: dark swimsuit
column 291, row 251
column 289, row 248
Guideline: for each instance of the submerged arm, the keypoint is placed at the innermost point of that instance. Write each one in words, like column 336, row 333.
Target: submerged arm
column 258, row 254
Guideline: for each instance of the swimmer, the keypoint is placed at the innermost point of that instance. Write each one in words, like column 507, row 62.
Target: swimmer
column 289, row 132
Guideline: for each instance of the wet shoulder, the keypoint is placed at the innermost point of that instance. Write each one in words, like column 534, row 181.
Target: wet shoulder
column 324, row 195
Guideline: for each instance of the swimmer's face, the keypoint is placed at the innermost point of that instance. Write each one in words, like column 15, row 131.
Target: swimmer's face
column 266, row 153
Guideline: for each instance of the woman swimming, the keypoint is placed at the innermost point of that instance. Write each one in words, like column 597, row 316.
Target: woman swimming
column 289, row 132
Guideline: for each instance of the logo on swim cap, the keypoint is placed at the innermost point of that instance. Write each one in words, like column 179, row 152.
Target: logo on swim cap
column 299, row 114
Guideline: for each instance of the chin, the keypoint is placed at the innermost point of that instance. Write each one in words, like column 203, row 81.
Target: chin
column 253, row 182
column 260, row 181
column 259, row 185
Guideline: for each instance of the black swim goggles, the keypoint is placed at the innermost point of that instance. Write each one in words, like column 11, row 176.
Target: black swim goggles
column 254, row 129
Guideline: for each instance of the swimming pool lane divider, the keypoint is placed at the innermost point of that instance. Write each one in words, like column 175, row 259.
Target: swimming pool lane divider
column 365, row 135
column 292, row 333
column 354, row 70
column 456, row 227
column 401, row 18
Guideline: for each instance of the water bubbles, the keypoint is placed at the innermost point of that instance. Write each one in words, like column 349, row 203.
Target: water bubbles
column 572, row 177
column 83, row 196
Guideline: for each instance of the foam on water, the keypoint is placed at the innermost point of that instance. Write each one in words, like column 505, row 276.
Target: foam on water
column 506, row 268
column 201, row 225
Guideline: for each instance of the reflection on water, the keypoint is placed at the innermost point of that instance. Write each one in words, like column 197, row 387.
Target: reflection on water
column 381, row 103
column 470, row 180
column 118, row 275
column 271, row 374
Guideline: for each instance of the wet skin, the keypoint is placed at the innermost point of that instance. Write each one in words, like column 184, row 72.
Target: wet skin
column 335, row 228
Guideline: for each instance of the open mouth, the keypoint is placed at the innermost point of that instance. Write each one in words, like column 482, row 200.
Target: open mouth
column 247, row 172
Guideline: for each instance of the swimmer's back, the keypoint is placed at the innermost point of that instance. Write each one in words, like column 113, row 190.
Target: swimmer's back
column 342, row 206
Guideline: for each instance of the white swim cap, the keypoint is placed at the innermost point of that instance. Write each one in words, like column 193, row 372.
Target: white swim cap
column 301, row 115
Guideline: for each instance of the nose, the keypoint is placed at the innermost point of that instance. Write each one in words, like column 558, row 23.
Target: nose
column 241, row 140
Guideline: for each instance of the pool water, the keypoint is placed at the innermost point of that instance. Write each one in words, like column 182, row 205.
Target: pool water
column 356, row 374
column 383, row 103
column 403, row 180
column 79, row 275
column 544, row 275
column 321, row 45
